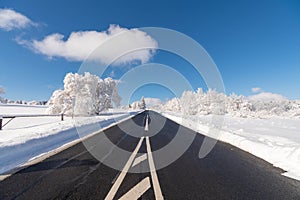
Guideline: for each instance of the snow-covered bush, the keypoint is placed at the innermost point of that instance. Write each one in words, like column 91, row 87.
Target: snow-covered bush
column 87, row 93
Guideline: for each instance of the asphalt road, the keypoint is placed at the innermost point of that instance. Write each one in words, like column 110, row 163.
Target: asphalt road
column 226, row 173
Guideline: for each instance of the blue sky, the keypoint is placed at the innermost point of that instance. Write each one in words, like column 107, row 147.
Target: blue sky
column 253, row 43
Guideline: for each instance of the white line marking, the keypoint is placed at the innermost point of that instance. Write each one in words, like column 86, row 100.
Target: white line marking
column 157, row 190
column 147, row 125
column 138, row 190
column 116, row 185
column 2, row 177
column 139, row 159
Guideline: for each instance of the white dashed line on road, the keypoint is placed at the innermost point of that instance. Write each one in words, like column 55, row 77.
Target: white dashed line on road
column 122, row 175
column 147, row 123
column 138, row 190
column 139, row 159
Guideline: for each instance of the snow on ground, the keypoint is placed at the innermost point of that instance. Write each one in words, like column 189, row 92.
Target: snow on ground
column 12, row 109
column 276, row 140
column 26, row 138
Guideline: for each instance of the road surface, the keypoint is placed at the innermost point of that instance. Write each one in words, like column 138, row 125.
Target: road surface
column 226, row 173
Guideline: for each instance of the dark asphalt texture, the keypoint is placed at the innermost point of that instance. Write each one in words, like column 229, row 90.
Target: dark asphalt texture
column 226, row 173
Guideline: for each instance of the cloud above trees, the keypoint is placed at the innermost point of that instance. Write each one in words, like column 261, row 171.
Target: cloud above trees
column 133, row 44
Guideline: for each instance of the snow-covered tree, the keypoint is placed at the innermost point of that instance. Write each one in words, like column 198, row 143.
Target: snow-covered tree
column 116, row 97
column 142, row 103
column 135, row 105
column 172, row 105
column 212, row 102
column 87, row 93
column 138, row 104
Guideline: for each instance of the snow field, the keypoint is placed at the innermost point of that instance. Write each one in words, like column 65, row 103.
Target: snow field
column 276, row 140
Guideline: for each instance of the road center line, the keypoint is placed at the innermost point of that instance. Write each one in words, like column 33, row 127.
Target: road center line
column 123, row 173
column 139, row 159
column 155, row 182
column 147, row 125
column 138, row 190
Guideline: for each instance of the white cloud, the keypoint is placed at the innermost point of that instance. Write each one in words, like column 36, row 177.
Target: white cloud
column 152, row 101
column 114, row 42
column 10, row 19
column 266, row 97
column 256, row 89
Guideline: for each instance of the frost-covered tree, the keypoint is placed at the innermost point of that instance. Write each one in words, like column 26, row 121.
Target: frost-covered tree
column 135, row 105
column 188, row 103
column 56, row 102
column 138, row 104
column 142, row 103
column 116, row 97
column 88, row 94
column 172, row 105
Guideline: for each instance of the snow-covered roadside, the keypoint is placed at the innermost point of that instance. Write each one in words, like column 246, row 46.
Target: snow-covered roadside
column 20, row 145
column 276, row 140
column 25, row 110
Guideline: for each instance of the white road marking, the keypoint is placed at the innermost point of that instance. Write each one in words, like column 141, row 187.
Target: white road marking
column 147, row 125
column 2, row 177
column 139, row 159
column 138, row 190
column 122, row 175
column 155, row 182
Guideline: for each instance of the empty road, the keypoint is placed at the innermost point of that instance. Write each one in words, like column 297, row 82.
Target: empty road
column 226, row 173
